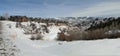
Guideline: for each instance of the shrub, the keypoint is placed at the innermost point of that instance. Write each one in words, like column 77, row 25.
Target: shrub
column 61, row 36
column 96, row 34
column 86, row 35
column 32, row 38
column 36, row 37
column 72, row 35
column 39, row 37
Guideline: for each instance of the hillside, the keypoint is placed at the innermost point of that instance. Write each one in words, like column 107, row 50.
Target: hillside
column 58, row 48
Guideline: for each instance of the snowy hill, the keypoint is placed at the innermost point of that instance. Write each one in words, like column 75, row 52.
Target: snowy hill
column 58, row 48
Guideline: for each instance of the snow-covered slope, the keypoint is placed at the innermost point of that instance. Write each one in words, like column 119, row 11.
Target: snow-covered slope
column 58, row 48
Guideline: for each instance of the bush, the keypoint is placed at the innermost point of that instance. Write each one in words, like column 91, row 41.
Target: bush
column 32, row 38
column 39, row 37
column 61, row 36
column 96, row 34
column 36, row 37
column 73, row 35
column 86, row 35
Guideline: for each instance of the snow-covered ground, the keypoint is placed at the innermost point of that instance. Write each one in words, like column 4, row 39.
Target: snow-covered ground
column 59, row 48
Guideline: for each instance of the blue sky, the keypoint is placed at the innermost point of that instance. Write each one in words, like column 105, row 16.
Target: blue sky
column 60, row 8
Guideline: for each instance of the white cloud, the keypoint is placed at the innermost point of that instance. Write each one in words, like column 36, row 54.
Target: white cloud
column 101, row 9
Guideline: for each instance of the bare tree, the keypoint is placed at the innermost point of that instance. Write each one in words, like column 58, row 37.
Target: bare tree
column 6, row 16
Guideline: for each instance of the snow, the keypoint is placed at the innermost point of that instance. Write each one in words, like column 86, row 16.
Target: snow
column 59, row 48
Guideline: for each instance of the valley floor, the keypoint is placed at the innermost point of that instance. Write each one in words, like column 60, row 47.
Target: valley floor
column 50, row 47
